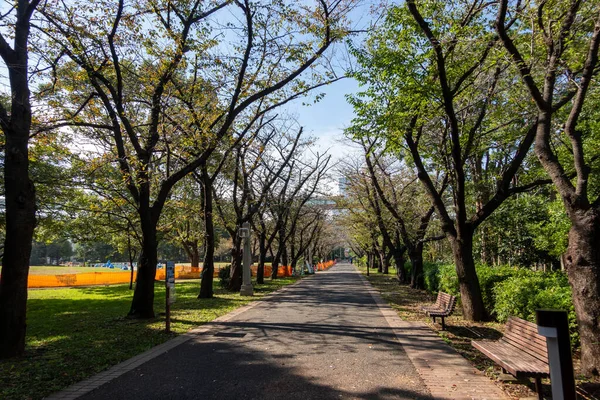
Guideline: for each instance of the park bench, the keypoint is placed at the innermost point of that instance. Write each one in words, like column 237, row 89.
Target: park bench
column 443, row 307
column 521, row 351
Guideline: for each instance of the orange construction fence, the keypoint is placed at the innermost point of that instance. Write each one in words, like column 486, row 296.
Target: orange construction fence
column 111, row 278
column 325, row 265
column 81, row 279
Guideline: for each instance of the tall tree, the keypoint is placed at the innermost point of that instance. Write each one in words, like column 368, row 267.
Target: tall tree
column 19, row 191
column 150, row 79
column 402, row 201
column 560, row 74
column 434, row 83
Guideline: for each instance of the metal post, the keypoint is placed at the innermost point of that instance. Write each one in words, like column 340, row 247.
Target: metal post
column 554, row 325
column 247, row 289
column 167, row 309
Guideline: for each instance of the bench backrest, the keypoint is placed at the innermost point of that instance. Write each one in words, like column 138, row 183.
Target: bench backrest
column 446, row 302
column 524, row 336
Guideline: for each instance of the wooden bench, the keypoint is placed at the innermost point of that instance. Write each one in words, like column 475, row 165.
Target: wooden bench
column 521, row 351
column 444, row 307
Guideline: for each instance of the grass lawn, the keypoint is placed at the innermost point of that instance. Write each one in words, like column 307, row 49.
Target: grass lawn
column 459, row 332
column 74, row 333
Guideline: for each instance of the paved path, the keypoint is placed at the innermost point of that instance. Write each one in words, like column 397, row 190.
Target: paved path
column 328, row 337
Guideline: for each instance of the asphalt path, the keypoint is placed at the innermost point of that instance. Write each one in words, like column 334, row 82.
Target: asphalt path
column 323, row 338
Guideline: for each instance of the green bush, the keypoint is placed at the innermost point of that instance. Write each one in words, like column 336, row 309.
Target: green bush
column 489, row 278
column 510, row 291
column 224, row 275
column 431, row 274
column 527, row 291
column 448, row 279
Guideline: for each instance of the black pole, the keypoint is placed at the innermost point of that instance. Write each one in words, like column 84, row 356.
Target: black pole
column 554, row 325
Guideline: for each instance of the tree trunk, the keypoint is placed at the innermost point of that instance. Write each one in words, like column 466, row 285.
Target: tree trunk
column 235, row 282
column 195, row 259
column 583, row 269
column 470, row 291
column 131, row 258
column 208, row 268
column 275, row 266
column 399, row 260
column 262, row 255
column 417, row 279
column 385, row 267
column 284, row 257
column 142, row 305
column 20, row 222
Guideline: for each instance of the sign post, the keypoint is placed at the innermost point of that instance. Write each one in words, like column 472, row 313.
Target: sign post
column 170, row 293
column 554, row 325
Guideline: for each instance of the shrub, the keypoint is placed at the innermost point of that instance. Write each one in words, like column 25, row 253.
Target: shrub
column 431, row 276
column 448, row 279
column 489, row 277
column 224, row 275
column 527, row 291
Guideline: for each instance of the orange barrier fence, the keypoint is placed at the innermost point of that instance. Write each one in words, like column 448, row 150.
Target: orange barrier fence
column 81, row 279
column 325, row 265
column 110, row 278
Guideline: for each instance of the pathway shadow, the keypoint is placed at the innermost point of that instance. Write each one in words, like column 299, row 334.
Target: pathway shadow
column 229, row 370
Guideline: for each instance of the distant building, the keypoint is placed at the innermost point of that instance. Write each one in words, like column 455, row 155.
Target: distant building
column 342, row 185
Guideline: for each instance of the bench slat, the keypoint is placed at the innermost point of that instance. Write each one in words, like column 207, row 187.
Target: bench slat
column 523, row 334
column 525, row 344
column 512, row 359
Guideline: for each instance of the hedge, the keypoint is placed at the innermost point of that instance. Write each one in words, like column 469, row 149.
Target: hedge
column 510, row 291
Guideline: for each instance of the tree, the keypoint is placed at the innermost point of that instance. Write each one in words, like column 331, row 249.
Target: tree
column 151, row 80
column 19, row 191
column 560, row 75
column 412, row 227
column 449, row 99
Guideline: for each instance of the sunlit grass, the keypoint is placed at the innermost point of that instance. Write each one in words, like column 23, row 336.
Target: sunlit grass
column 74, row 333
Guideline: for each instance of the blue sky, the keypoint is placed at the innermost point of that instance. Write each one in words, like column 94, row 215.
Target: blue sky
column 327, row 118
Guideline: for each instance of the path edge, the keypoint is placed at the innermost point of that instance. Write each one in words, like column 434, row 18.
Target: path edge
column 431, row 381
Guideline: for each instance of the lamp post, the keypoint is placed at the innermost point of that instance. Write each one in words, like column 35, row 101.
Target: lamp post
column 247, row 289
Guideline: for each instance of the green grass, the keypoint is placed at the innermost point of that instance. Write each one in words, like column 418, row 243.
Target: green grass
column 74, row 333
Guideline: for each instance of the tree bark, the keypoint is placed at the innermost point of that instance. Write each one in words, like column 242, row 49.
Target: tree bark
column 275, row 266
column 583, row 269
column 385, row 266
column 470, row 291
column 19, row 191
column 20, row 222
column 262, row 255
column 142, row 305
column 417, row 279
column 399, row 260
column 235, row 282
column 193, row 252
column 284, row 257
column 208, row 268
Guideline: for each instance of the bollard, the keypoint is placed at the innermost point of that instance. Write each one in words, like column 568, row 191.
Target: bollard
column 554, row 325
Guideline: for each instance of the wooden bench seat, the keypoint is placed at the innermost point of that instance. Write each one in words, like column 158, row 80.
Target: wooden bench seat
column 443, row 307
column 521, row 351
